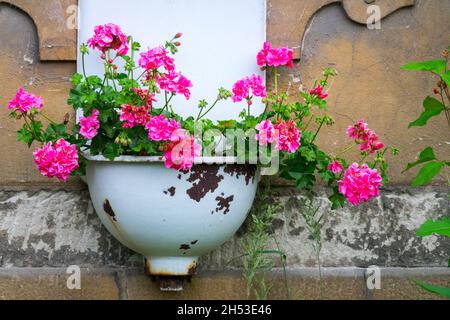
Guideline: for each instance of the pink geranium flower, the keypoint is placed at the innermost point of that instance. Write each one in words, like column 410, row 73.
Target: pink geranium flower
column 89, row 125
column 360, row 184
column 275, row 57
column 175, row 82
column 57, row 160
column 109, row 36
column 367, row 139
column 287, row 136
column 24, row 101
column 156, row 58
column 318, row 91
column 180, row 154
column 241, row 89
column 132, row 116
column 336, row 167
column 162, row 129
column 265, row 132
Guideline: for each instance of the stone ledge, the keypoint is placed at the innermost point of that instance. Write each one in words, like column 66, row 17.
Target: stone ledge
column 44, row 228
column 131, row 283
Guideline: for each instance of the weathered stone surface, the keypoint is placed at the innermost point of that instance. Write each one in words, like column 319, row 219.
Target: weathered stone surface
column 132, row 284
column 289, row 20
column 55, row 21
column 20, row 66
column 51, row 284
column 398, row 284
column 54, row 228
column 60, row 228
column 381, row 232
column 303, row 285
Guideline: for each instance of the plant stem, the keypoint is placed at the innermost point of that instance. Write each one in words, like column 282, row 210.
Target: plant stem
column 141, row 75
column 346, row 150
column 132, row 59
column 84, row 68
column 209, row 110
column 276, row 80
column 47, row 118
column 112, row 73
column 318, row 130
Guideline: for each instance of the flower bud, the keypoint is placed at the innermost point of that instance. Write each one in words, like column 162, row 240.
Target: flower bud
column 178, row 35
column 110, row 61
column 103, row 57
column 178, row 44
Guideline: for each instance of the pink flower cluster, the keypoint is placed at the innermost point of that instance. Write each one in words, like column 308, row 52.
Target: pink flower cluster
column 109, row 36
column 24, row 101
column 132, row 116
column 286, row 135
column 162, row 129
column 241, row 89
column 265, row 133
column 367, row 139
column 155, row 58
column 181, row 153
column 175, row 82
column 360, row 184
column 318, row 91
column 57, row 160
column 336, row 167
column 181, row 147
column 89, row 125
column 288, row 139
column 275, row 57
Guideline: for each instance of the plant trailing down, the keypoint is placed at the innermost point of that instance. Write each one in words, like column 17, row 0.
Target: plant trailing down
column 129, row 111
column 431, row 165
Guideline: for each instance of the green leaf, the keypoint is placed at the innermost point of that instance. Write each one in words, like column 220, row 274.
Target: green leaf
column 432, row 108
column 337, row 199
column 427, row 173
column 436, row 66
column 76, row 79
column 430, row 227
column 308, row 153
column 446, row 78
column 426, row 155
column 442, row 291
column 24, row 135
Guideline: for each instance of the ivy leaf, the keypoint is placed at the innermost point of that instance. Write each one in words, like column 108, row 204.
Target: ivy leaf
column 427, row 173
column 430, row 227
column 432, row 108
column 442, row 291
column 426, row 155
column 446, row 78
column 435, row 66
